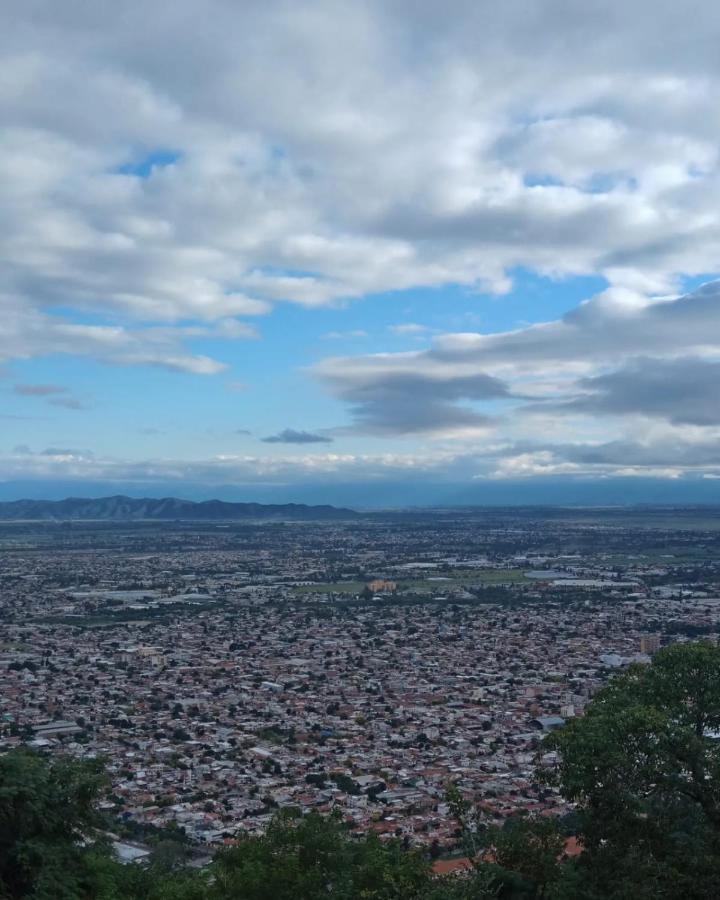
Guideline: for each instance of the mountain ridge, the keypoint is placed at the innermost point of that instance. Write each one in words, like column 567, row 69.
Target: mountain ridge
column 120, row 507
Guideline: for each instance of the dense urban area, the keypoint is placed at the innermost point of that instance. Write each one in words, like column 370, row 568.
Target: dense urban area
column 226, row 670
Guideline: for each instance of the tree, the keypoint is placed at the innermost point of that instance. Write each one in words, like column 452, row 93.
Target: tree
column 46, row 810
column 643, row 764
column 310, row 857
column 52, row 844
column 531, row 847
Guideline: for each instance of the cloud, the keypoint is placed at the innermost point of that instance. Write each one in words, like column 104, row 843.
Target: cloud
column 563, row 141
column 291, row 436
column 682, row 391
column 394, row 395
column 39, row 390
column 54, row 394
column 489, row 463
column 344, row 335
column 151, row 208
column 66, row 453
column 408, row 328
column 616, row 354
column 66, row 463
column 670, row 457
column 26, row 332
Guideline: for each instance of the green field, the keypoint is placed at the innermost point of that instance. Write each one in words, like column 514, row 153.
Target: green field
column 424, row 585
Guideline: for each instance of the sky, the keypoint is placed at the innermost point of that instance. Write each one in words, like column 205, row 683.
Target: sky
column 373, row 253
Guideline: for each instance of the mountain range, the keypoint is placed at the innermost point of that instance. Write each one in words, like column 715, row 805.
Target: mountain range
column 169, row 508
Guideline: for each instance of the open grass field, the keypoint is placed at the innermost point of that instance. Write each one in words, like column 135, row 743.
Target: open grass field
column 425, row 585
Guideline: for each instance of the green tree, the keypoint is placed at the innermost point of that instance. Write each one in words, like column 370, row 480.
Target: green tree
column 643, row 764
column 310, row 857
column 48, row 825
column 531, row 847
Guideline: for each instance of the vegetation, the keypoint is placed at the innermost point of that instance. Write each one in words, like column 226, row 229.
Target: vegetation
column 642, row 765
column 46, row 812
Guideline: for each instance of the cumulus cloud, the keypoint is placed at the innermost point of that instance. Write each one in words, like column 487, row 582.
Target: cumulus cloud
column 563, row 139
column 291, row 436
column 148, row 205
column 26, row 332
column 616, row 354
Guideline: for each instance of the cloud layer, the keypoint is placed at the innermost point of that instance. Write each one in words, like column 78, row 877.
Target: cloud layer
column 167, row 178
column 206, row 164
column 644, row 373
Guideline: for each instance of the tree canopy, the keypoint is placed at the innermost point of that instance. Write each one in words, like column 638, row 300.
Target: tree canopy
column 643, row 765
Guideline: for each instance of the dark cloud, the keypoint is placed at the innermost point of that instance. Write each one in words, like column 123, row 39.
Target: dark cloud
column 291, row 436
column 39, row 390
column 611, row 455
column 407, row 403
column 55, row 394
column 607, row 457
column 654, row 359
column 681, row 391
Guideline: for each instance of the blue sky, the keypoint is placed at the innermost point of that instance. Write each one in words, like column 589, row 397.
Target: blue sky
column 350, row 252
column 257, row 393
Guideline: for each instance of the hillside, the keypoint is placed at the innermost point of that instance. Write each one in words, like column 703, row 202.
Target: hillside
column 170, row 508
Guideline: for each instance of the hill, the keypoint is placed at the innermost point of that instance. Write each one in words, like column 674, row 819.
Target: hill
column 168, row 508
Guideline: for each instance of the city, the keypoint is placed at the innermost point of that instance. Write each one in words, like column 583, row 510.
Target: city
column 226, row 670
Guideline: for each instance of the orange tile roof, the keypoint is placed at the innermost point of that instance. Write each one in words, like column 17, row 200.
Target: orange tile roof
column 573, row 847
column 448, row 866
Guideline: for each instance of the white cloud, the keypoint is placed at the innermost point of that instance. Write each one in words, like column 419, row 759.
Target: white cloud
column 638, row 379
column 345, row 335
column 325, row 152
column 27, row 332
column 408, row 328
column 61, row 463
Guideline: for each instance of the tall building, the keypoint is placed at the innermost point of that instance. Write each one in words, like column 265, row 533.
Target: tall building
column 650, row 643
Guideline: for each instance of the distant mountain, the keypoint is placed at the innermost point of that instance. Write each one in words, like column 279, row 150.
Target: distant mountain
column 127, row 508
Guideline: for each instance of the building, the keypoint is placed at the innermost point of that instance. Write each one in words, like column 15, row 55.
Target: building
column 649, row 643
column 139, row 655
column 381, row 585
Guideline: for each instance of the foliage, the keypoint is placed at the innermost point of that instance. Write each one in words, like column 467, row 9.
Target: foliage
column 303, row 858
column 644, row 766
column 531, row 847
column 47, row 812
